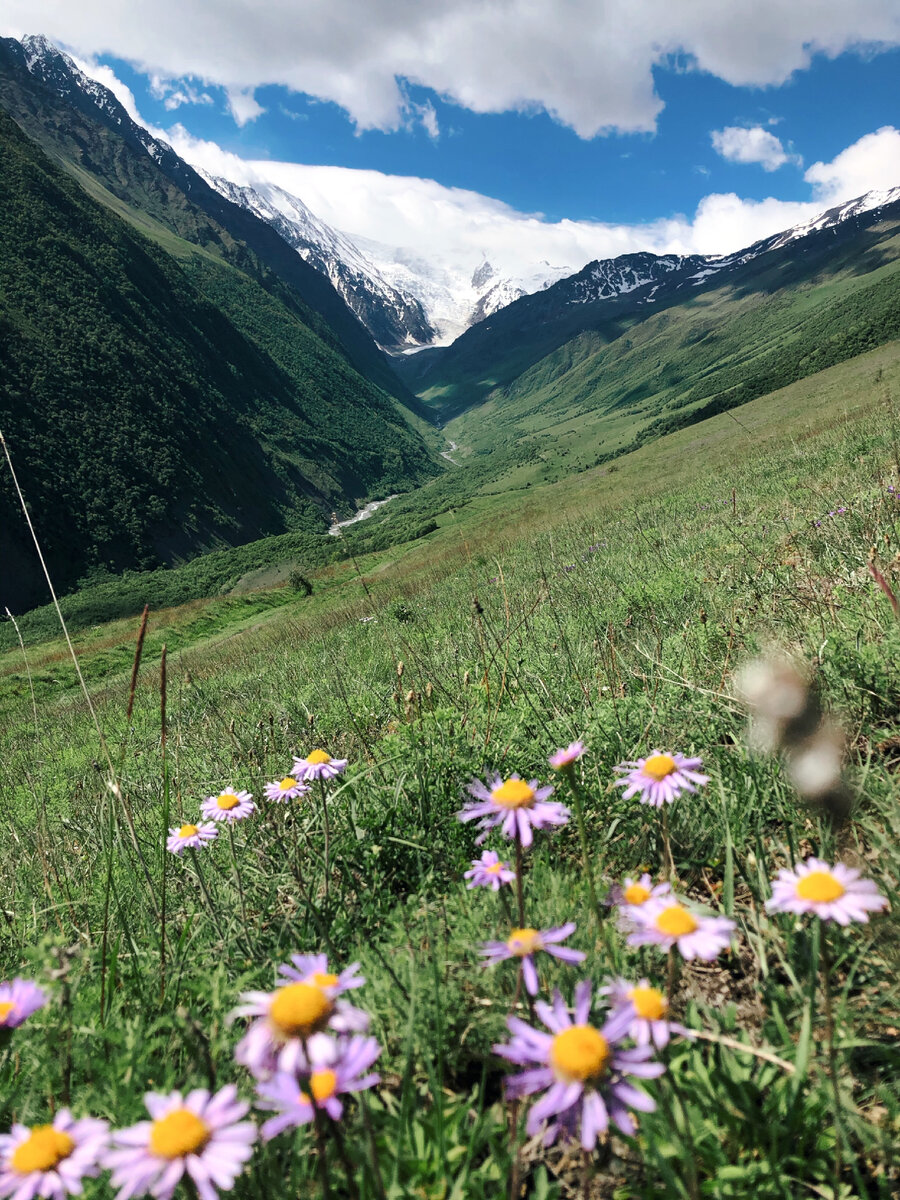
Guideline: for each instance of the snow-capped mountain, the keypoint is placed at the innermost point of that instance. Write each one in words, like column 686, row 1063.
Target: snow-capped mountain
column 396, row 319
column 405, row 302
column 652, row 276
column 456, row 296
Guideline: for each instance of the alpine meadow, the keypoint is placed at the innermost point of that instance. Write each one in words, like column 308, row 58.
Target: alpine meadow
column 449, row 718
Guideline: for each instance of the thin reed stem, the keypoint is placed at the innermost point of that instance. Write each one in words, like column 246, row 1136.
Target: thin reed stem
column 165, row 823
column 27, row 669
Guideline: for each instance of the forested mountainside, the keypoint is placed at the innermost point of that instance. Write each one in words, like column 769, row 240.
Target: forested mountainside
column 158, row 403
column 82, row 125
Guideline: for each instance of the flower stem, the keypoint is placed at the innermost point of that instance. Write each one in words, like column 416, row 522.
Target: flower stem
column 345, row 1158
column 237, row 872
column 827, row 966
column 582, row 836
column 205, row 890
column 520, row 893
column 373, row 1148
column 668, row 861
column 327, row 828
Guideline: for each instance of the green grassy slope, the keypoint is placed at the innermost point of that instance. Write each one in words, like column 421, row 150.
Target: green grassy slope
column 611, row 607
column 608, row 390
column 153, row 409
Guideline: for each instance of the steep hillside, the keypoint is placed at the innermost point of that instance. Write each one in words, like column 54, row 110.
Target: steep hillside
column 608, row 298
column 82, row 125
column 811, row 302
column 155, row 406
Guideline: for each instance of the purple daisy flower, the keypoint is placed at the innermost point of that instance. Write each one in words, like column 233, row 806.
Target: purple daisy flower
column 313, row 968
column 582, row 1070
column 650, row 1007
column 328, row 1070
column 660, row 778
column 51, row 1160
column 831, row 893
column 564, row 758
column 667, row 923
column 288, row 788
column 190, row 837
column 515, row 806
column 18, row 1000
column 318, row 765
column 525, row 943
column 287, row 1017
column 198, row 1134
column 633, row 893
column 489, row 871
column 229, row 805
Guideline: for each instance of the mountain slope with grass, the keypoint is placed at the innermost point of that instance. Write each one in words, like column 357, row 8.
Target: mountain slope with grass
column 156, row 404
column 616, row 611
column 818, row 300
column 607, row 304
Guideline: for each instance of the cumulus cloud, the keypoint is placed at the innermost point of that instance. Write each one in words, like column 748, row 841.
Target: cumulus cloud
column 754, row 145
column 872, row 162
column 243, row 105
column 588, row 63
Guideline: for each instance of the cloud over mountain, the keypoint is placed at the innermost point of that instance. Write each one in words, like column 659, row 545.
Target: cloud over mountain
column 588, row 63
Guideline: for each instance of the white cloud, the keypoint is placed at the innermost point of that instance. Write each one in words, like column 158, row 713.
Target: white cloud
column 754, row 145
column 872, row 162
column 453, row 227
column 588, row 63
column 173, row 94
column 243, row 105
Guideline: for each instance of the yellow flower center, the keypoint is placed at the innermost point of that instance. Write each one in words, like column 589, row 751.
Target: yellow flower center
column 494, row 868
column 5, row 1009
column 579, row 1053
column 636, row 893
column 300, row 1009
column 649, row 1003
column 180, row 1133
column 287, row 783
column 524, row 941
column 228, row 800
column 322, row 980
column 323, row 1085
column 820, row 887
column 676, row 921
column 187, row 831
column 318, row 756
column 515, row 793
column 658, row 766
column 44, row 1149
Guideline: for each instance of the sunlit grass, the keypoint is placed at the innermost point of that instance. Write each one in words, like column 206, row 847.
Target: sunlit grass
column 617, row 614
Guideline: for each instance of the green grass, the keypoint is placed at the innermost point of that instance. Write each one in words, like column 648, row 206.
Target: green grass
column 613, row 606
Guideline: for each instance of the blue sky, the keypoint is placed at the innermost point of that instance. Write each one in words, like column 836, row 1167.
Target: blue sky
column 442, row 126
column 535, row 164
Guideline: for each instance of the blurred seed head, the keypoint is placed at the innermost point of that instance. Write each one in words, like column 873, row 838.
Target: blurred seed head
column 786, row 719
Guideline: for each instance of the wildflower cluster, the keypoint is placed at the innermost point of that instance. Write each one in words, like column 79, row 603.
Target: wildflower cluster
column 307, row 1050
column 233, row 804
